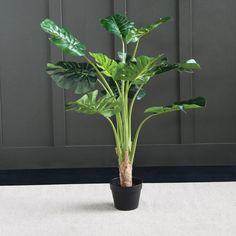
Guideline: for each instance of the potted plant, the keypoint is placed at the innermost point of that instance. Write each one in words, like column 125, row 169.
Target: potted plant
column 120, row 83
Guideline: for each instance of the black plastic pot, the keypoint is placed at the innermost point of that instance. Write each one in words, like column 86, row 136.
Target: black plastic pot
column 126, row 198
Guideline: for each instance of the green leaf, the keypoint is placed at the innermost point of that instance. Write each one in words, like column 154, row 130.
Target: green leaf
column 107, row 65
column 78, row 77
column 140, row 71
column 118, row 25
column 188, row 66
column 63, row 38
column 149, row 28
column 89, row 104
column 195, row 103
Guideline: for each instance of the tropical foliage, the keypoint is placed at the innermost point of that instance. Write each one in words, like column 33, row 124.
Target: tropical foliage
column 110, row 86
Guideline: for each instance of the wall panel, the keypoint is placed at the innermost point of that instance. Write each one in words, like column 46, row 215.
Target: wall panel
column 36, row 132
column 25, row 89
column 214, row 34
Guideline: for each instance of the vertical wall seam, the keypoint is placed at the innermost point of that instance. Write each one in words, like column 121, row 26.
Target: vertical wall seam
column 192, row 75
column 1, row 112
column 186, row 80
column 58, row 95
column 63, row 90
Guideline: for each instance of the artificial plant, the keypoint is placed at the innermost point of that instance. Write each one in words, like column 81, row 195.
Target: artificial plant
column 120, row 81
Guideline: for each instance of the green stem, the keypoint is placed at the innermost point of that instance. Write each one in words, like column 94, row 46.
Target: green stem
column 100, row 82
column 131, row 110
column 135, row 49
column 124, row 132
column 118, row 150
column 134, row 145
column 123, row 51
column 127, row 113
column 119, row 127
column 118, row 87
column 100, row 75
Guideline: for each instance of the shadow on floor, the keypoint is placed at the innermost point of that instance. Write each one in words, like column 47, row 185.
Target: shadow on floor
column 88, row 207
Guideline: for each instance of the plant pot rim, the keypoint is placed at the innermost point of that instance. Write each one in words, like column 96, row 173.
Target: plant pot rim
column 115, row 185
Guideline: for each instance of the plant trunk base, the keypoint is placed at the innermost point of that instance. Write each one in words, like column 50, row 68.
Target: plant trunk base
column 125, row 170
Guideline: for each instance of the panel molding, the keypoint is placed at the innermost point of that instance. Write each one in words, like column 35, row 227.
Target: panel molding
column 104, row 156
column 104, row 175
column 1, row 124
column 58, row 97
column 186, row 80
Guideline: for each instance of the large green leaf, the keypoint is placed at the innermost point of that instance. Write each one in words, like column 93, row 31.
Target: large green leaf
column 78, row 77
column 195, row 103
column 89, row 104
column 107, row 65
column 188, row 66
column 63, row 38
column 140, row 32
column 140, row 71
column 118, row 25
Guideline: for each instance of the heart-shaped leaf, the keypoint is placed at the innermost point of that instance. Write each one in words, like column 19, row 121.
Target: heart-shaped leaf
column 118, row 25
column 140, row 71
column 137, row 33
column 107, row 65
column 89, row 104
column 195, row 103
column 188, row 66
column 63, row 38
column 78, row 77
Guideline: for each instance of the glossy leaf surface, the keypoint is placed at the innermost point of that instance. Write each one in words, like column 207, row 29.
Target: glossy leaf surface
column 139, row 72
column 118, row 25
column 107, row 65
column 188, row 66
column 89, row 104
column 137, row 33
column 78, row 77
column 195, row 103
column 63, row 38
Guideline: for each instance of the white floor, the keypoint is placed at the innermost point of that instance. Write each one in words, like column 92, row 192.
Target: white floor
column 191, row 209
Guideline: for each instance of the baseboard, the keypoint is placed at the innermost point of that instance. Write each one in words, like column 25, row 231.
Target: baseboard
column 104, row 175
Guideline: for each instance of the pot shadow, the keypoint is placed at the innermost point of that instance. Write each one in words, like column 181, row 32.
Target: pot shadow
column 88, row 207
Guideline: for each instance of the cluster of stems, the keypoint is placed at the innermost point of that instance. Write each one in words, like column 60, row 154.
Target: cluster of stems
column 122, row 127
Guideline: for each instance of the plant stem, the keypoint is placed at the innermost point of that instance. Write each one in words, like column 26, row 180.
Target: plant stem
column 117, row 131
column 118, row 87
column 125, row 146
column 123, row 51
column 100, row 82
column 131, row 110
column 134, row 145
column 127, row 114
column 135, row 49
column 118, row 150
column 100, row 75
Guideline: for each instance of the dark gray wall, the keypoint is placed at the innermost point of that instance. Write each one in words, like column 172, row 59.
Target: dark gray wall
column 37, row 133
